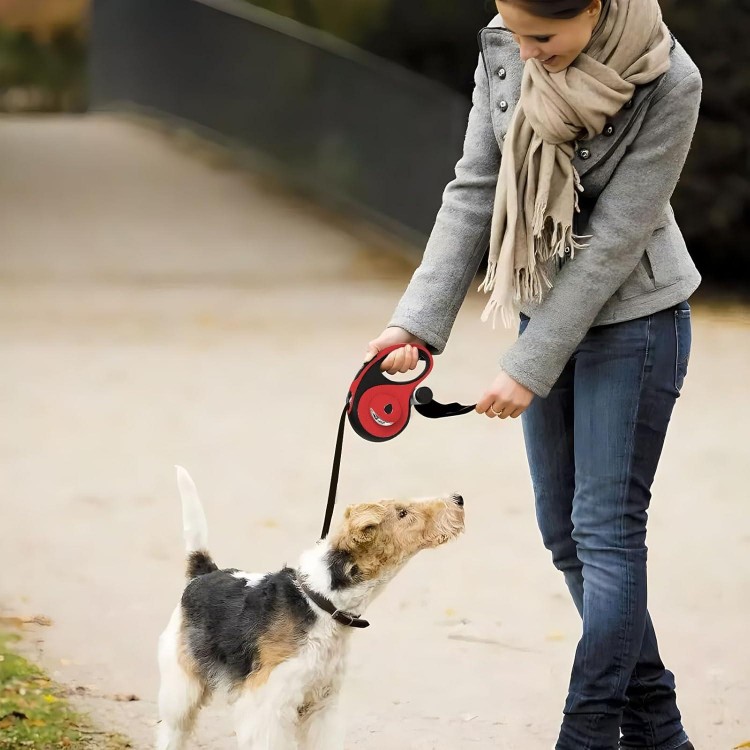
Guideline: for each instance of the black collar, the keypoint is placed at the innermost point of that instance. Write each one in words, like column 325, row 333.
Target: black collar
column 344, row 618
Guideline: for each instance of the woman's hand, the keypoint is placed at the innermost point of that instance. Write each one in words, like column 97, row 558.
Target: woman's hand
column 505, row 398
column 400, row 360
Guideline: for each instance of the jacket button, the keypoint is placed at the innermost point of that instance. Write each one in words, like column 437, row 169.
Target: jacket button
column 609, row 129
column 567, row 249
column 628, row 104
column 502, row 74
column 584, row 153
column 503, row 106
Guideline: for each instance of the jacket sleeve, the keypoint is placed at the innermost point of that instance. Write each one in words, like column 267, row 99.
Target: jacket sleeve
column 460, row 235
column 625, row 216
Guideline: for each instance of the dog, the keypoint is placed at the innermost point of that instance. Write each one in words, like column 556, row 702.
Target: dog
column 277, row 642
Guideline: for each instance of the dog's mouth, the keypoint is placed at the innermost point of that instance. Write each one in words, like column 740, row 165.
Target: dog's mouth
column 448, row 531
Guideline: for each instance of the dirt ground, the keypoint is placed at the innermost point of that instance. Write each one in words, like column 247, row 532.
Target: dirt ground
column 158, row 307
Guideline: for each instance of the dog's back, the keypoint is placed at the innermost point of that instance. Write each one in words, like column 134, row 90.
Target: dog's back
column 235, row 625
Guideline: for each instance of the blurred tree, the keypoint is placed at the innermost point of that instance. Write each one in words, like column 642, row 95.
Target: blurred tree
column 712, row 201
column 42, row 54
column 42, row 76
column 352, row 22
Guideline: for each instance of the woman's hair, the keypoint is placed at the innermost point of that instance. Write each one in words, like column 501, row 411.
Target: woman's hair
column 553, row 8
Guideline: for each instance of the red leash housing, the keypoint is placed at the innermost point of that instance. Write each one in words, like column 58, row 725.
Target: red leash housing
column 379, row 408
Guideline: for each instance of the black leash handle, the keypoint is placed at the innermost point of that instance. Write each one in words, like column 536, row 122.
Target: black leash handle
column 426, row 405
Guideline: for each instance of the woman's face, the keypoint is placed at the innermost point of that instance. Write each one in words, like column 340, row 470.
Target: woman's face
column 554, row 42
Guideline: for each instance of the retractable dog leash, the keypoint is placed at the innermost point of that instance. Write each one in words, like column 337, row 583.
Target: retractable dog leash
column 379, row 409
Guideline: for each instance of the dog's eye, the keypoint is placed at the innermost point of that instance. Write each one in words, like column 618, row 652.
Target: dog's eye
column 403, row 513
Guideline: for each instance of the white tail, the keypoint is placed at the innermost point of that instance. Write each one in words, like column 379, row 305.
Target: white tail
column 194, row 527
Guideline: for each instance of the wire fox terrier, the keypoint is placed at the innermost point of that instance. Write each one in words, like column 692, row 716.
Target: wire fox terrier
column 277, row 642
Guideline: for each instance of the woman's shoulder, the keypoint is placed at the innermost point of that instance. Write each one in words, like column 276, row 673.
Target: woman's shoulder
column 682, row 68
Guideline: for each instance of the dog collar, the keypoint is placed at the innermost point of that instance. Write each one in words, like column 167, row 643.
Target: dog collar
column 344, row 618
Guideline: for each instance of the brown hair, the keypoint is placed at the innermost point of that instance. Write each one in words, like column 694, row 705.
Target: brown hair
column 553, row 8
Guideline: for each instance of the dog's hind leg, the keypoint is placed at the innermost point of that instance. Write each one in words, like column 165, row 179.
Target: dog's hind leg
column 181, row 692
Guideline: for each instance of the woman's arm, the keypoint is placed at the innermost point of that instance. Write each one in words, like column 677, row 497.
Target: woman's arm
column 623, row 220
column 460, row 236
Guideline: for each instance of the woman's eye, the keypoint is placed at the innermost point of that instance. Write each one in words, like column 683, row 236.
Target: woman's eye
column 542, row 39
column 403, row 513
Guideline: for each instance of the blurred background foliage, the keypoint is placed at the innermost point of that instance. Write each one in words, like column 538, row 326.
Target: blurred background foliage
column 42, row 67
column 43, row 55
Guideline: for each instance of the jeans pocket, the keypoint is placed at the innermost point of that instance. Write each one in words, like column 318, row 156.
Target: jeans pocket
column 684, row 336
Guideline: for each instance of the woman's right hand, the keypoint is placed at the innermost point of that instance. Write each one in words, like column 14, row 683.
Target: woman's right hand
column 400, row 360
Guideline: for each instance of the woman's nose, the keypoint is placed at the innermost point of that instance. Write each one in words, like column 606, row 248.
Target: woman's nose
column 529, row 51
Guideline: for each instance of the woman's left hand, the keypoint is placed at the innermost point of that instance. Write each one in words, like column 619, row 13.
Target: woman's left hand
column 505, row 398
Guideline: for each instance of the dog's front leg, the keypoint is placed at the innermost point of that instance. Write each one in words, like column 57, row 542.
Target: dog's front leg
column 265, row 719
column 324, row 728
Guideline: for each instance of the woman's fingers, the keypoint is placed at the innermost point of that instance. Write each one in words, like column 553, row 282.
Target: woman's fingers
column 401, row 360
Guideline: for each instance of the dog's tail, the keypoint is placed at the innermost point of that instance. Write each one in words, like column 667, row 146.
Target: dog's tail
column 194, row 527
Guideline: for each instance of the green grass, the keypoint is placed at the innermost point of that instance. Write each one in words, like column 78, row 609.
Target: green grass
column 34, row 711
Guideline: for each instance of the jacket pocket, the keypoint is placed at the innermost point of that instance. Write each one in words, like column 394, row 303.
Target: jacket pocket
column 657, row 267
column 641, row 281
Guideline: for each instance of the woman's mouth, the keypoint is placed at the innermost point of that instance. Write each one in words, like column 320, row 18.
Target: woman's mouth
column 550, row 60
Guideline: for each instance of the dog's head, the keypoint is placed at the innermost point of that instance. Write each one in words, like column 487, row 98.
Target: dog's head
column 375, row 540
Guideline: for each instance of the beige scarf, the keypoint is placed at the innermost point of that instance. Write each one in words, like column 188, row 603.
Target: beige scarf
column 537, row 188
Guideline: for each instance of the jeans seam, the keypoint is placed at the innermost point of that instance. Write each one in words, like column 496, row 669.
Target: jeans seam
column 626, row 490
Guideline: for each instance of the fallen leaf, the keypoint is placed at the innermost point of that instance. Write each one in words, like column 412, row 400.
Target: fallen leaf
column 125, row 697
column 744, row 744
column 555, row 635
column 18, row 621
column 14, row 715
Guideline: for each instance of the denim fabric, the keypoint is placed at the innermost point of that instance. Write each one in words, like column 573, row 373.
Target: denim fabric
column 593, row 446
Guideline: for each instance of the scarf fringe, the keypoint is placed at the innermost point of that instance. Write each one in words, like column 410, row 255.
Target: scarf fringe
column 489, row 278
column 530, row 284
column 509, row 316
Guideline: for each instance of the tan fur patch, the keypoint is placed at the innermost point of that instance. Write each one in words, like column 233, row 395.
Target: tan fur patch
column 184, row 659
column 187, row 663
column 279, row 643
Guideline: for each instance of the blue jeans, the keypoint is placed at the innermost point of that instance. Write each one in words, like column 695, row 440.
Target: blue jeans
column 593, row 446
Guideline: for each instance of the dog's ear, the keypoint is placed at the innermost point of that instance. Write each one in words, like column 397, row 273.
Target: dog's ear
column 363, row 521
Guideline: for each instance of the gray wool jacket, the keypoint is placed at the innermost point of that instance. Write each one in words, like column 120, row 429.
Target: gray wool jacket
column 636, row 262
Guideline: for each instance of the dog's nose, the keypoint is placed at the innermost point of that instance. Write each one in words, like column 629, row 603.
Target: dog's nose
column 458, row 500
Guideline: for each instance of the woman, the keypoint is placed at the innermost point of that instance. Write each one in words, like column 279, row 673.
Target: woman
column 583, row 113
